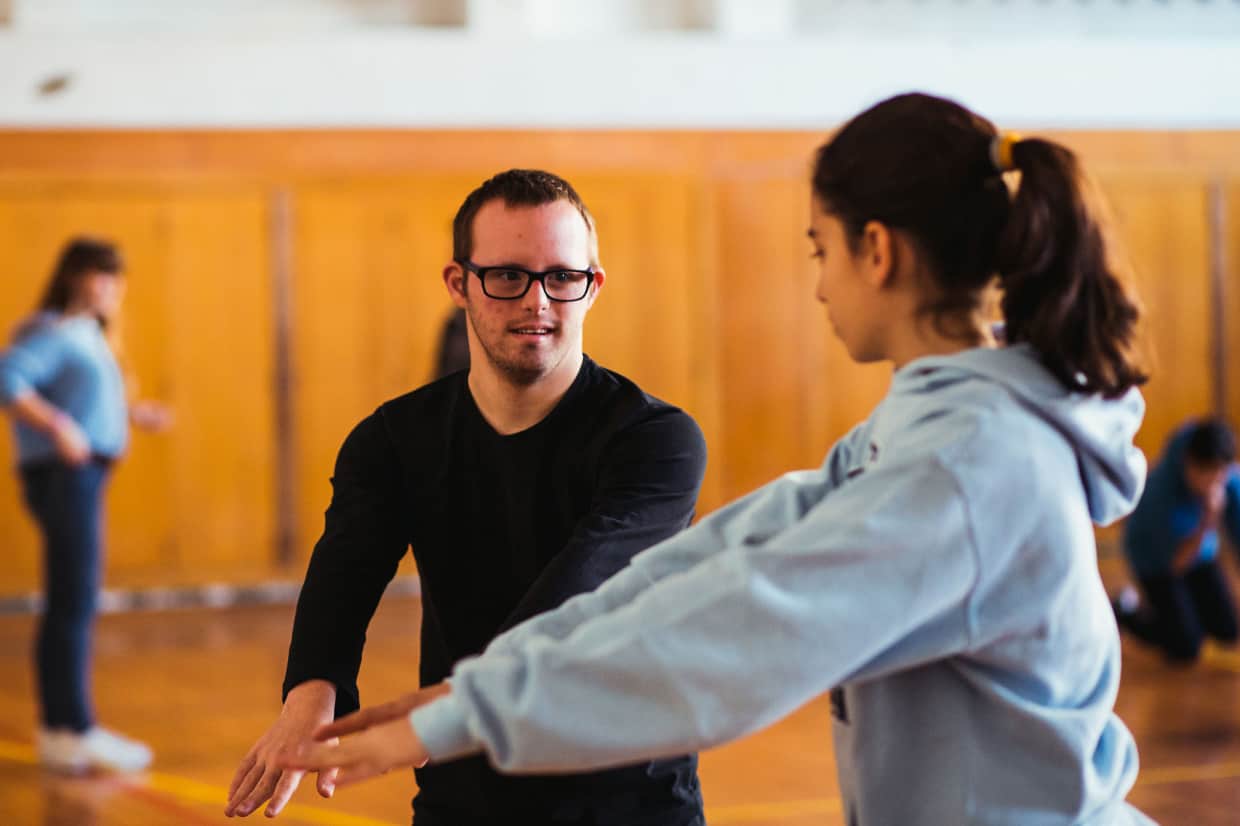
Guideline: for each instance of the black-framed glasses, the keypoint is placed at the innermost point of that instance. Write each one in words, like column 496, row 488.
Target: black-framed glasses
column 510, row 283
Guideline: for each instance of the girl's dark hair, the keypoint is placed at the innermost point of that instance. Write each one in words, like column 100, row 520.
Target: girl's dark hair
column 923, row 165
column 78, row 257
column 1211, row 442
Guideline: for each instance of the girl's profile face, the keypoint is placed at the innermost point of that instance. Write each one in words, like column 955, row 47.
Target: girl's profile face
column 843, row 287
column 100, row 293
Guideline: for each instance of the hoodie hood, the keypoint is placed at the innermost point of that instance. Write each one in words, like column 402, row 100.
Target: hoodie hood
column 1100, row 430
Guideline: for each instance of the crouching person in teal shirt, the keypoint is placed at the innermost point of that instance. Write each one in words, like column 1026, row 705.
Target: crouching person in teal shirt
column 1172, row 541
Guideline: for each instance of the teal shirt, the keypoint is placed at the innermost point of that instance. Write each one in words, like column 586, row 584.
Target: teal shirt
column 1169, row 513
column 66, row 360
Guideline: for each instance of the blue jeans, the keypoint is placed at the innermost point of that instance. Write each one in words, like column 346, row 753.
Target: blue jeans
column 67, row 504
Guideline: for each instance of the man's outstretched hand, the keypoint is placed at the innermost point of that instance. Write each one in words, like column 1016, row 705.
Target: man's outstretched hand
column 260, row 778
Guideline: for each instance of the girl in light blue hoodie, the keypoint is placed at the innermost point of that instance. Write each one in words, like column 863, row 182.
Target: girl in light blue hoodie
column 937, row 573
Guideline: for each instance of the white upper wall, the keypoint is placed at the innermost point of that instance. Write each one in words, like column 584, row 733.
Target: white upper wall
column 612, row 63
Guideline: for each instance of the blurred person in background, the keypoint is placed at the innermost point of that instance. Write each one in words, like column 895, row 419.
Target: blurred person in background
column 1172, row 544
column 62, row 385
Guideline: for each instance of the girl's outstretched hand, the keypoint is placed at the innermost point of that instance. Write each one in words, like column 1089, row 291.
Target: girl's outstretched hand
column 397, row 709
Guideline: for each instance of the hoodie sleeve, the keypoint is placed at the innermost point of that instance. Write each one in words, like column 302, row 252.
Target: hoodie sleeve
column 763, row 624
column 29, row 363
column 766, row 511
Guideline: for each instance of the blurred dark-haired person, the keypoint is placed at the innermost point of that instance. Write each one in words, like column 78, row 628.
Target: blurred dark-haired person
column 529, row 478
column 1172, row 543
column 65, row 392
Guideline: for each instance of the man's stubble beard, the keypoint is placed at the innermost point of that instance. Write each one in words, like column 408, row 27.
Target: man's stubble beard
column 518, row 374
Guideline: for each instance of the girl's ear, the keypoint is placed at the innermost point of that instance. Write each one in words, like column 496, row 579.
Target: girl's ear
column 878, row 252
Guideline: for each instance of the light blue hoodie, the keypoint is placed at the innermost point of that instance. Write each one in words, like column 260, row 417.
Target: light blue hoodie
column 940, row 569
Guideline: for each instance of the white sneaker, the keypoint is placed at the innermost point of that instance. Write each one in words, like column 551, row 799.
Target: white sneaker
column 94, row 750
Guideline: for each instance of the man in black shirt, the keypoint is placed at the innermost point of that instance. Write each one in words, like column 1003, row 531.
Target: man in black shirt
column 531, row 477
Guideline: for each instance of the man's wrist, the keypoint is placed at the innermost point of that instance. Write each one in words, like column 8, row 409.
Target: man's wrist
column 311, row 694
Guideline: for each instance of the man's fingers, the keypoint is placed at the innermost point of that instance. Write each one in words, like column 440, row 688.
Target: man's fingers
column 247, row 784
column 242, row 770
column 261, row 792
column 290, row 779
column 327, row 782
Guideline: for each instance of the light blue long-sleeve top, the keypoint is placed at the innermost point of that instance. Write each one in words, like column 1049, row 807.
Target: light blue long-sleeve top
column 939, row 570
column 68, row 361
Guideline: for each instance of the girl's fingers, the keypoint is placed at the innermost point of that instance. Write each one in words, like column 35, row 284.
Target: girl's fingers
column 316, row 756
column 357, row 773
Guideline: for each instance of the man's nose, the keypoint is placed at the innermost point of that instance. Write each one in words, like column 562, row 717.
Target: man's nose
column 535, row 297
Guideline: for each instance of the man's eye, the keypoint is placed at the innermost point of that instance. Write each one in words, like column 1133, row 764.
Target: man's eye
column 566, row 277
column 511, row 276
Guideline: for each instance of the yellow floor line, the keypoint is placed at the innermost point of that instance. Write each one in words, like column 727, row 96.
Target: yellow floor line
column 763, row 812
column 193, row 791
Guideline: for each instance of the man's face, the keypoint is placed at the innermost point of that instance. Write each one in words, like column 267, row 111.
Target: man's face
column 1204, row 477
column 527, row 338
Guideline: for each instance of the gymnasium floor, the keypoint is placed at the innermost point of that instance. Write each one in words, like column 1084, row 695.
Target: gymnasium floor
column 201, row 685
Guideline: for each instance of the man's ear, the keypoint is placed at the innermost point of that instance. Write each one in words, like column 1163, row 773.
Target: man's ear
column 454, row 279
column 596, row 285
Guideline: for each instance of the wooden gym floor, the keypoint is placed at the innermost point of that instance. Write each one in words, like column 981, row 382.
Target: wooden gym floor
column 201, row 685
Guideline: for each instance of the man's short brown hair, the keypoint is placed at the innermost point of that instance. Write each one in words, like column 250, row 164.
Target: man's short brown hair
column 517, row 188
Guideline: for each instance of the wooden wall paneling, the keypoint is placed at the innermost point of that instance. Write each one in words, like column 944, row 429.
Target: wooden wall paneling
column 1164, row 223
column 220, row 349
column 765, row 283
column 369, row 306
column 1229, row 260
column 144, row 153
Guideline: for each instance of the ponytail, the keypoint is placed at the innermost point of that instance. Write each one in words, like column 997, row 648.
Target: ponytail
column 1062, row 287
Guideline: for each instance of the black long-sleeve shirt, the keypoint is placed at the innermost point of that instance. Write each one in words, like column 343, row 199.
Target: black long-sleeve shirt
column 502, row 528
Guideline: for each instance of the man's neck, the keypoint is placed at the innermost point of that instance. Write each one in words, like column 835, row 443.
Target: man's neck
column 510, row 408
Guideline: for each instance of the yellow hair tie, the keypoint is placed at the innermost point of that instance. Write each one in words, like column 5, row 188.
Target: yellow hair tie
column 1001, row 151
